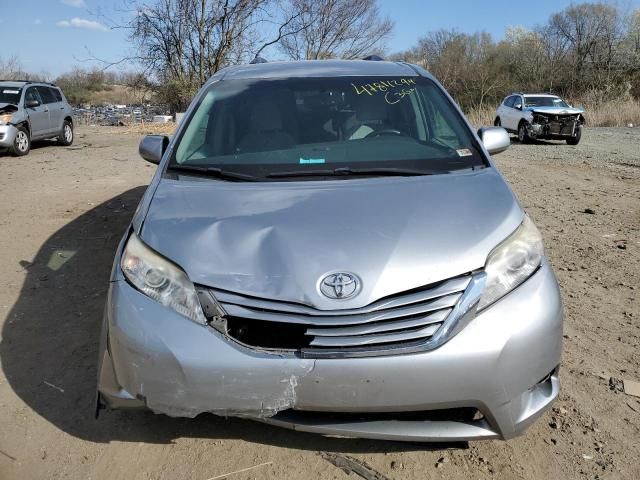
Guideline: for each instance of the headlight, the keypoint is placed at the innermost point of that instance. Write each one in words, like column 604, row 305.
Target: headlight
column 160, row 279
column 512, row 262
column 5, row 118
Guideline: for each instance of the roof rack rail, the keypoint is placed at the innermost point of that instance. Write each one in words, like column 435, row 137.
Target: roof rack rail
column 373, row 58
column 30, row 81
column 257, row 60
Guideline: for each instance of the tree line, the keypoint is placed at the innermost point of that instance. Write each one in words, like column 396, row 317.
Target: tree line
column 184, row 42
column 588, row 52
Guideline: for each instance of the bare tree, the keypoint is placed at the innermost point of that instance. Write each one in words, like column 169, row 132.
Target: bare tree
column 589, row 51
column 336, row 28
column 138, row 84
column 589, row 33
column 183, row 42
column 10, row 68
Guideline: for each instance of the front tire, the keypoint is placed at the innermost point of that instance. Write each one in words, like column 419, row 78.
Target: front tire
column 576, row 138
column 523, row 136
column 22, row 142
column 66, row 138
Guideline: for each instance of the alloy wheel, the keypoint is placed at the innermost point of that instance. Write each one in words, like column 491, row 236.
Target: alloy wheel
column 22, row 141
column 68, row 133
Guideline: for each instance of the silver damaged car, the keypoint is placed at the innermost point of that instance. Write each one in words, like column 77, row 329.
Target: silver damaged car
column 327, row 246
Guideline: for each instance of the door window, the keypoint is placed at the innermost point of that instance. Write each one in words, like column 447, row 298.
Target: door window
column 56, row 94
column 517, row 103
column 46, row 95
column 32, row 94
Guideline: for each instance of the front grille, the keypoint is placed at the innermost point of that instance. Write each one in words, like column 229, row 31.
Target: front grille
column 556, row 124
column 1, row 135
column 407, row 319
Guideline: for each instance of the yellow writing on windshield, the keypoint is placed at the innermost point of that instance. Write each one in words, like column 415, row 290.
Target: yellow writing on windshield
column 382, row 86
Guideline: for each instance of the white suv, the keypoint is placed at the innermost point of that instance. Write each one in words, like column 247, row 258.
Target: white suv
column 540, row 116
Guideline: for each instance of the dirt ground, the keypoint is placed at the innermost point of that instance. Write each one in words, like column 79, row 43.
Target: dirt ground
column 63, row 210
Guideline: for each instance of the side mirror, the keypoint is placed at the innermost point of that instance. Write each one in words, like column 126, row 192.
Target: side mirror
column 518, row 106
column 494, row 139
column 32, row 103
column 152, row 147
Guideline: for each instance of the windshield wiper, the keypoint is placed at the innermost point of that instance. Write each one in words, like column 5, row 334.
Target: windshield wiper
column 344, row 171
column 213, row 172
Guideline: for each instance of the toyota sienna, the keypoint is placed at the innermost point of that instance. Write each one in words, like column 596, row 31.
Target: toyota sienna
column 328, row 246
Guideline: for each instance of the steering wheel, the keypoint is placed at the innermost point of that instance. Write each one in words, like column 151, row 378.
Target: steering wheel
column 385, row 131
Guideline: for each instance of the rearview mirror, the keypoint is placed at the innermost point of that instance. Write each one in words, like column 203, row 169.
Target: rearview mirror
column 494, row 139
column 32, row 103
column 152, row 147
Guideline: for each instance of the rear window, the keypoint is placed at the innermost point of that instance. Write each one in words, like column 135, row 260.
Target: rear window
column 46, row 95
column 261, row 126
column 56, row 94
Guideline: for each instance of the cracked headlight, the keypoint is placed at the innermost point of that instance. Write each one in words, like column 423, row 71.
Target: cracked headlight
column 512, row 262
column 161, row 280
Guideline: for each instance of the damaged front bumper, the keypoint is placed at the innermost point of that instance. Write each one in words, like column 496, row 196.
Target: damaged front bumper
column 503, row 365
column 554, row 127
column 8, row 134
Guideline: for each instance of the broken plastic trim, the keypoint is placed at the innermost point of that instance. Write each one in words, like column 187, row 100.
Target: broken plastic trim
column 463, row 312
column 213, row 311
column 8, row 108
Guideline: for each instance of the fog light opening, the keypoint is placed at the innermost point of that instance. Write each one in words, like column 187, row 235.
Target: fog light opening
column 477, row 416
column 544, row 386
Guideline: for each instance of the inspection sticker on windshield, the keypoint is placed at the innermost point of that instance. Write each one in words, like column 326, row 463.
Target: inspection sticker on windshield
column 464, row 152
column 307, row 161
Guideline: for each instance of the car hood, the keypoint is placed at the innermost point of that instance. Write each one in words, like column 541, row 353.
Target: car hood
column 555, row 110
column 278, row 239
column 8, row 108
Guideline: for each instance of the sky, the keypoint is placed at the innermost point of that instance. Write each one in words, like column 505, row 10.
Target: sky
column 53, row 36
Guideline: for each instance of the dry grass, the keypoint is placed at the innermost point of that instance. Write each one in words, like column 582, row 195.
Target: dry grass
column 482, row 117
column 613, row 113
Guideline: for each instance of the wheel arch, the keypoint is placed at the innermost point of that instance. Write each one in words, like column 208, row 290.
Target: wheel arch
column 26, row 124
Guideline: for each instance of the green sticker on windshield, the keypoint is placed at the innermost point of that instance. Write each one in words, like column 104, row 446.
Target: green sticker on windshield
column 307, row 161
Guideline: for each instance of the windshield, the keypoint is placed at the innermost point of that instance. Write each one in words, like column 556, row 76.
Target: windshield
column 264, row 127
column 545, row 102
column 10, row 95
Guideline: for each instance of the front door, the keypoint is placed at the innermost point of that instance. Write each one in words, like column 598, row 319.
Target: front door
column 516, row 113
column 38, row 116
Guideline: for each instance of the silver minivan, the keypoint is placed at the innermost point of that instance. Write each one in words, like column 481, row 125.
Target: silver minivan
column 327, row 246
